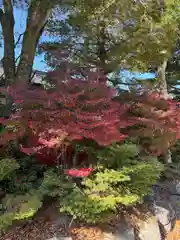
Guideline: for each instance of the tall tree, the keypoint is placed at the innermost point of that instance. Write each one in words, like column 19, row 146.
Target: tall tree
column 102, row 34
column 38, row 13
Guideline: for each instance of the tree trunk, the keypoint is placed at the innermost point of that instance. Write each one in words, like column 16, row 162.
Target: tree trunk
column 164, row 91
column 162, row 79
column 101, row 51
column 38, row 14
column 7, row 23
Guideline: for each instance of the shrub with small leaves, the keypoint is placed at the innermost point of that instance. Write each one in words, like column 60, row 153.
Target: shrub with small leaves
column 19, row 181
column 114, row 183
column 54, row 184
column 7, row 167
column 6, row 220
column 23, row 204
column 18, row 207
column 29, row 207
column 119, row 177
column 117, row 155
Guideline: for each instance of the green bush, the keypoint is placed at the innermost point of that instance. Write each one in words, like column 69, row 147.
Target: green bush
column 121, row 178
column 18, row 207
column 21, row 199
column 175, row 151
column 8, row 166
column 22, row 202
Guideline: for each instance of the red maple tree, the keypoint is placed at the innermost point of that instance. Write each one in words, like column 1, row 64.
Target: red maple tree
column 78, row 109
column 73, row 110
column 157, row 120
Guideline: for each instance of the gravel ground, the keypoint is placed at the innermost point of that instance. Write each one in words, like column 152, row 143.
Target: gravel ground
column 41, row 230
column 37, row 230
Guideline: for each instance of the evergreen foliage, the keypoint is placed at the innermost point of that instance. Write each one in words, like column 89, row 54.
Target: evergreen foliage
column 90, row 198
column 113, row 184
column 18, row 184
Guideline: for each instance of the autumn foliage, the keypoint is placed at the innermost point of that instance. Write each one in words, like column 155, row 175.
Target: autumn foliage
column 74, row 110
column 157, row 120
column 77, row 109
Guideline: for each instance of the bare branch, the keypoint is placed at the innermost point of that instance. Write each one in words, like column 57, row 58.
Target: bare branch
column 2, row 75
column 34, row 73
column 18, row 58
column 18, row 40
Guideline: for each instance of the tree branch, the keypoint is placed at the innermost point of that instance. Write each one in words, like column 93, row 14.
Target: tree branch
column 18, row 58
column 33, row 74
column 18, row 40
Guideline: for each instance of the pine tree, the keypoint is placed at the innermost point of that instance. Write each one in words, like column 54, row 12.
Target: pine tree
column 95, row 35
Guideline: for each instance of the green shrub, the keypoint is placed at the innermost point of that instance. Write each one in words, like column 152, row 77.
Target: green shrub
column 19, row 183
column 18, row 208
column 175, row 151
column 121, row 178
column 23, row 203
column 8, row 166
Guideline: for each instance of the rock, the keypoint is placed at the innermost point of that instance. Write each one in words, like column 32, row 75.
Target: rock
column 149, row 229
column 175, row 203
column 164, row 214
column 163, row 208
column 178, row 187
column 124, row 232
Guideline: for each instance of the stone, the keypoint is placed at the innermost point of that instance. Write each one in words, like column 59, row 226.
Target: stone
column 175, row 203
column 149, row 229
column 164, row 214
column 124, row 232
column 163, row 207
column 178, row 187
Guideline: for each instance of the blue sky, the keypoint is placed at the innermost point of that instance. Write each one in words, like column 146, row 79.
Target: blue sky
column 39, row 64
column 130, row 75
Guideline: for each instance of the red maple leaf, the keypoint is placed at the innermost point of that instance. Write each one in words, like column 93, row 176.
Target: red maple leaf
column 81, row 172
